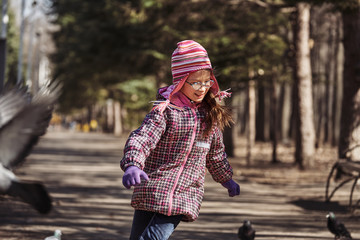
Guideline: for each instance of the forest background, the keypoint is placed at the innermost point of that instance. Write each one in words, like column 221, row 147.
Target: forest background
column 293, row 66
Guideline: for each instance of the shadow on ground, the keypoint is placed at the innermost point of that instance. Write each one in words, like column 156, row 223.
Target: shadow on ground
column 82, row 174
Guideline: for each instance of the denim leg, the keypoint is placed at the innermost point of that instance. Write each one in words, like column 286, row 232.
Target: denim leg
column 140, row 221
column 161, row 227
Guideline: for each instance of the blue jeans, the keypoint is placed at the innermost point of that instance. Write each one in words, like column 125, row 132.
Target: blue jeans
column 153, row 226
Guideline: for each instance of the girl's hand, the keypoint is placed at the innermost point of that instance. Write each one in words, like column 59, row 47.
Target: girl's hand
column 232, row 187
column 132, row 176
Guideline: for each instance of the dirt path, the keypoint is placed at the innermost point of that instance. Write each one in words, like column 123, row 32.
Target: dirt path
column 81, row 172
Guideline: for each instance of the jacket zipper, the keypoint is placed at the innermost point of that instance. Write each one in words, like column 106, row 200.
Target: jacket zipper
column 183, row 164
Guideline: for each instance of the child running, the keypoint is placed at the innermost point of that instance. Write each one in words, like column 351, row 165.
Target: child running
column 166, row 158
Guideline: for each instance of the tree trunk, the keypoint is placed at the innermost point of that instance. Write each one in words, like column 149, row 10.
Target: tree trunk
column 228, row 141
column 338, row 69
column 320, row 111
column 251, row 120
column 293, row 129
column 260, row 114
column 245, row 116
column 349, row 144
column 110, row 115
column 305, row 146
column 228, row 137
column 285, row 103
column 263, row 111
column 241, row 107
column 317, row 68
column 274, row 114
column 330, row 68
column 117, row 118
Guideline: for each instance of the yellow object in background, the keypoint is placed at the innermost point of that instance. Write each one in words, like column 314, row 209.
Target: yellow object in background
column 93, row 125
column 86, row 128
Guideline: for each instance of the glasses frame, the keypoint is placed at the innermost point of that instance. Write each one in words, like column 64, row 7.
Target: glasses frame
column 198, row 85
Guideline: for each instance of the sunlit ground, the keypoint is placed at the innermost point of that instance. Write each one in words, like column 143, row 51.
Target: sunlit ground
column 81, row 171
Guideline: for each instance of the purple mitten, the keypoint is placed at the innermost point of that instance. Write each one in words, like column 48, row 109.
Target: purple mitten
column 132, row 176
column 232, row 187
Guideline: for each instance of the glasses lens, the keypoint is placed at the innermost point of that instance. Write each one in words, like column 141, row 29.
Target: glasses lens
column 198, row 85
column 209, row 83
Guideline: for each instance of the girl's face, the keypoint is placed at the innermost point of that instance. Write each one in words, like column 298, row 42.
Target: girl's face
column 197, row 80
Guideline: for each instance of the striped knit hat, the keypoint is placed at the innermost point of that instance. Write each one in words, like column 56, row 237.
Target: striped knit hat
column 188, row 57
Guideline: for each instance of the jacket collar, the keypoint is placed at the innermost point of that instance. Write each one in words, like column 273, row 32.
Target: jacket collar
column 179, row 99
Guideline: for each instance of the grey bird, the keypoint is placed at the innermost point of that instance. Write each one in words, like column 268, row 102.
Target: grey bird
column 337, row 228
column 23, row 120
column 246, row 231
column 56, row 236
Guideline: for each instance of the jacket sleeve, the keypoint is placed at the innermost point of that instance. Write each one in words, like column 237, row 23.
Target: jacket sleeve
column 143, row 140
column 216, row 160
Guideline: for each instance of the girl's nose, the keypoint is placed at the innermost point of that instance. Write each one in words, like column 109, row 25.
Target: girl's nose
column 202, row 88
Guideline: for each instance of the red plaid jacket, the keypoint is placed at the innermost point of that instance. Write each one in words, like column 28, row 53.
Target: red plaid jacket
column 169, row 146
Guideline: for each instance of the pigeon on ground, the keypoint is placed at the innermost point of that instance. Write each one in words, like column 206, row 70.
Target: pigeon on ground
column 56, row 236
column 23, row 120
column 246, row 231
column 337, row 228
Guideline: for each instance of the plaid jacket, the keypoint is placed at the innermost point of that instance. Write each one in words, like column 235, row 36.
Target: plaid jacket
column 170, row 148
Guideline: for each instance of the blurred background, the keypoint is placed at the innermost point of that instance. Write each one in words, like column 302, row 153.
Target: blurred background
column 293, row 66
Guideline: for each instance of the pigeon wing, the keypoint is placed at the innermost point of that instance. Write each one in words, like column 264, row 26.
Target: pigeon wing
column 11, row 103
column 22, row 132
column 343, row 232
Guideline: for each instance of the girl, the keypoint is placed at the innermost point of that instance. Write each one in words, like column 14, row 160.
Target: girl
column 166, row 158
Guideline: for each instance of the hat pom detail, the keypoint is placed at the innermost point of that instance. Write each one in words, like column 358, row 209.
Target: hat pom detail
column 223, row 94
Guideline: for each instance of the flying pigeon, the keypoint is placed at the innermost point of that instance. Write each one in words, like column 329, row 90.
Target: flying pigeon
column 246, row 231
column 23, row 120
column 337, row 228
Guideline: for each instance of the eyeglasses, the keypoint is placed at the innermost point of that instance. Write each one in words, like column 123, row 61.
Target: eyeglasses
column 198, row 85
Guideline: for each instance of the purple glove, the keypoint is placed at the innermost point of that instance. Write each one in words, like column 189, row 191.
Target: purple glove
column 132, row 176
column 232, row 187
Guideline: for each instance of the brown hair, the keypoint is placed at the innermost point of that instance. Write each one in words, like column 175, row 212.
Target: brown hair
column 216, row 114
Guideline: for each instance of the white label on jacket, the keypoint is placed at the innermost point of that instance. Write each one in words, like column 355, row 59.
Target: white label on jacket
column 203, row 145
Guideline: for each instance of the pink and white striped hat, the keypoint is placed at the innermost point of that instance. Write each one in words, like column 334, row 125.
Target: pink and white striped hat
column 188, row 57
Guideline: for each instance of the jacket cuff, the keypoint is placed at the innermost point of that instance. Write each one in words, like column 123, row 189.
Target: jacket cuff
column 224, row 177
column 124, row 166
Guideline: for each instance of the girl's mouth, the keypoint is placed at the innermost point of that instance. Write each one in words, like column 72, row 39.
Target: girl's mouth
column 199, row 95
